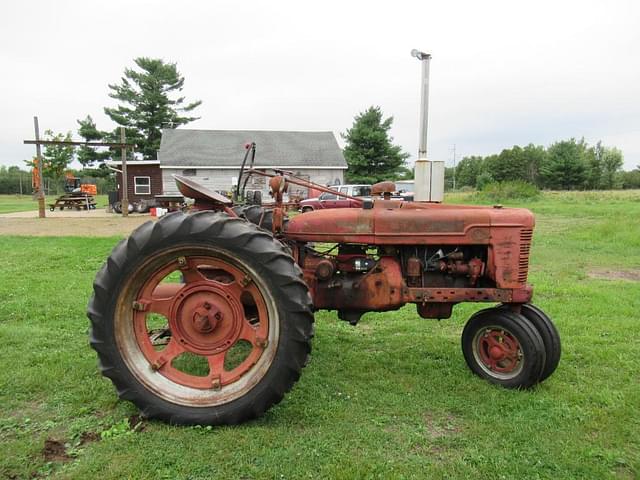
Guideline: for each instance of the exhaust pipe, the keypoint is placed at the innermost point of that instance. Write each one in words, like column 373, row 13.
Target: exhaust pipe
column 429, row 174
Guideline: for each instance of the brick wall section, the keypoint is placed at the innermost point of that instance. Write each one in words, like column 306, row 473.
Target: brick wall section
column 152, row 171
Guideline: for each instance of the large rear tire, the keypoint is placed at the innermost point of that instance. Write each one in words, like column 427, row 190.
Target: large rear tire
column 263, row 217
column 242, row 297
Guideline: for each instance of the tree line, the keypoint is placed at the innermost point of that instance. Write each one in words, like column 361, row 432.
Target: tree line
column 564, row 165
column 17, row 181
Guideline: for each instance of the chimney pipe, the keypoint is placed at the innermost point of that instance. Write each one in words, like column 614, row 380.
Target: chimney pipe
column 425, row 59
column 429, row 174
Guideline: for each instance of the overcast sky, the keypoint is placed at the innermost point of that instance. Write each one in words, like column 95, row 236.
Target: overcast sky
column 502, row 73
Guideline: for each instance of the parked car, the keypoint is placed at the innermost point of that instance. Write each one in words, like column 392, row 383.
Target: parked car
column 331, row 200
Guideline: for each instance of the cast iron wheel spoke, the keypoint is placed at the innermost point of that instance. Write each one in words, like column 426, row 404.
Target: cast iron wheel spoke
column 234, row 288
column 165, row 357
column 162, row 297
column 249, row 333
column 190, row 272
column 216, row 364
column 161, row 306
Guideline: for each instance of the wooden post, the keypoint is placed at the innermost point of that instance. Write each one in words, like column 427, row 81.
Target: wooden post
column 125, row 187
column 41, row 208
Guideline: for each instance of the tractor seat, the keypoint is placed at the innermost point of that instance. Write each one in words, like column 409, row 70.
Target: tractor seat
column 194, row 190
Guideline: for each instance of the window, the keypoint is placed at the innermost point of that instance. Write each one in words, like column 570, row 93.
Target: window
column 189, row 172
column 361, row 191
column 328, row 196
column 344, row 190
column 142, row 185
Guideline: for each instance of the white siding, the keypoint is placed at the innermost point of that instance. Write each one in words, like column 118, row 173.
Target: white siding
column 221, row 179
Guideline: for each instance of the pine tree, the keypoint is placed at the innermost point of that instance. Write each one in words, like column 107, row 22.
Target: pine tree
column 89, row 156
column 148, row 103
column 369, row 151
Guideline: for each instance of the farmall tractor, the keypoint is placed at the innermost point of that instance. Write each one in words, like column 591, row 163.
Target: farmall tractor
column 207, row 317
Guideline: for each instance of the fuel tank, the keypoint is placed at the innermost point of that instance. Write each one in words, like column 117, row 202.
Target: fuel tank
column 410, row 223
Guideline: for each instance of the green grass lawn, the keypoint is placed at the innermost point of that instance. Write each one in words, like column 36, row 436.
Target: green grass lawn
column 390, row 398
column 25, row 203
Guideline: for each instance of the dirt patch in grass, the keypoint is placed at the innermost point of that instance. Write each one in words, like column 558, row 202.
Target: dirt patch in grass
column 55, row 451
column 88, row 437
column 631, row 275
column 439, row 427
column 113, row 226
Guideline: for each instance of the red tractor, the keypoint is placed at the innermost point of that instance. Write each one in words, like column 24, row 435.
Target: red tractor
column 207, row 317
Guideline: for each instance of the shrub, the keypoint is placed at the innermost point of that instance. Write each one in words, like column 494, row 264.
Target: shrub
column 511, row 190
column 483, row 180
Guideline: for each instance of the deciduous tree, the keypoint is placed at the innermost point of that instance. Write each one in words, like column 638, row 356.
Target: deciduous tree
column 56, row 158
column 612, row 161
column 564, row 167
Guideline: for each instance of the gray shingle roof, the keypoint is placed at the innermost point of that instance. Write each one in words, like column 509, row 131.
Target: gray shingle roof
column 207, row 148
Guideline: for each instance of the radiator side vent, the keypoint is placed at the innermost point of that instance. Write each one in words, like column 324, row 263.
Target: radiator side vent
column 525, row 248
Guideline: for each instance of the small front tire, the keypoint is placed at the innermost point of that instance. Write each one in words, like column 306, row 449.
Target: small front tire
column 549, row 334
column 504, row 348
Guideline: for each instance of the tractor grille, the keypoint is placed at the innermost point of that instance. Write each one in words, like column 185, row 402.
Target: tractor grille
column 525, row 247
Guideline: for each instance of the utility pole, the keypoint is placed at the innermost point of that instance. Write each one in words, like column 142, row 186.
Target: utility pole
column 125, row 187
column 454, row 166
column 39, row 166
column 429, row 174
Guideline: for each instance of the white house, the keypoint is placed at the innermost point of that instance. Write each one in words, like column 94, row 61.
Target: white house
column 213, row 157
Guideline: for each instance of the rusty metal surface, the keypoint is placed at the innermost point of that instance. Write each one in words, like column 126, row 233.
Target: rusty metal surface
column 456, row 295
column 378, row 290
column 381, row 188
column 194, row 190
column 290, row 178
column 402, row 223
column 435, row 310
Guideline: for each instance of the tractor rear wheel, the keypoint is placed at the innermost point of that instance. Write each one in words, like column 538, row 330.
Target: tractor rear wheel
column 504, row 348
column 201, row 319
column 263, row 217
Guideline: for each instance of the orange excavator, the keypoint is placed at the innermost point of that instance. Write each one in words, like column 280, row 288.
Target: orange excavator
column 77, row 195
column 73, row 185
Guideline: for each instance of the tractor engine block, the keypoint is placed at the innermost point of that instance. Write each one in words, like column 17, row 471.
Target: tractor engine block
column 355, row 280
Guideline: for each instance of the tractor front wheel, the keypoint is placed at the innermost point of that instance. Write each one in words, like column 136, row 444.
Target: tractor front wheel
column 549, row 334
column 504, row 348
column 201, row 319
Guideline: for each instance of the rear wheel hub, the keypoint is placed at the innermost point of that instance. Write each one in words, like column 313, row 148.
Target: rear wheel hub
column 206, row 318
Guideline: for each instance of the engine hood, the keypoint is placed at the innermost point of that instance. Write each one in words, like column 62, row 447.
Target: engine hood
column 407, row 223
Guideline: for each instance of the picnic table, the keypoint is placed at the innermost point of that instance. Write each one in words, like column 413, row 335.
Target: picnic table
column 73, row 201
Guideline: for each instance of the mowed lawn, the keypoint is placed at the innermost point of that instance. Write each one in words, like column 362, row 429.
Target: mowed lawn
column 390, row 398
column 25, row 203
